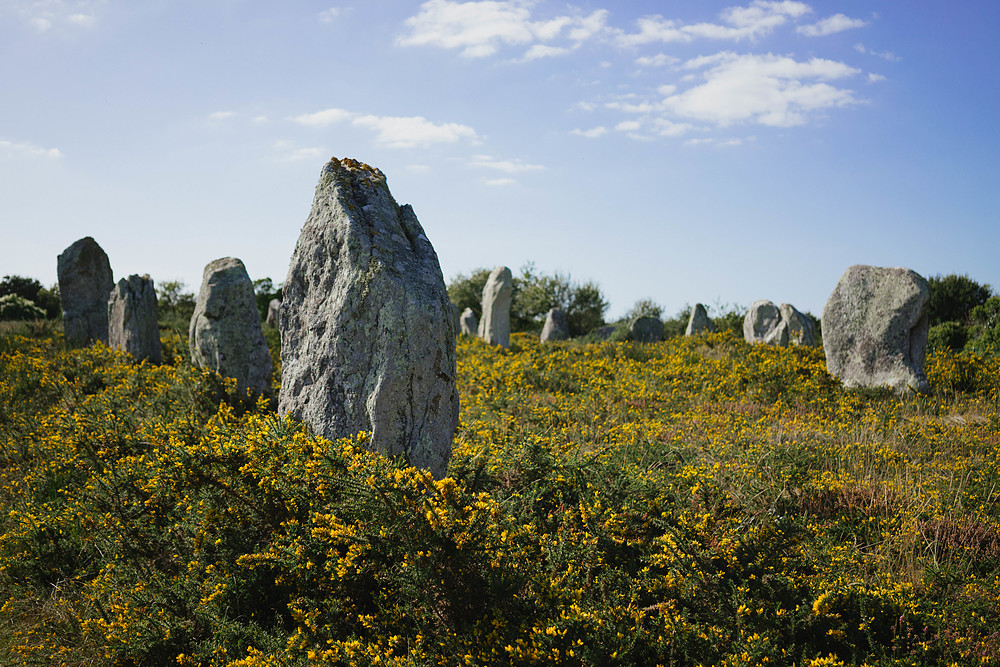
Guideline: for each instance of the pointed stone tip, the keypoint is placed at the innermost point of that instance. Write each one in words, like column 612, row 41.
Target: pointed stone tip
column 351, row 165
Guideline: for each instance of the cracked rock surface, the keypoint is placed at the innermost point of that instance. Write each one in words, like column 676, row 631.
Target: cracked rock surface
column 367, row 331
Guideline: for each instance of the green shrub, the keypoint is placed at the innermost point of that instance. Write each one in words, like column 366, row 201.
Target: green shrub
column 14, row 307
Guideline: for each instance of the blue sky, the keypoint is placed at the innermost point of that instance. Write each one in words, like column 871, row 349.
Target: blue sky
column 680, row 151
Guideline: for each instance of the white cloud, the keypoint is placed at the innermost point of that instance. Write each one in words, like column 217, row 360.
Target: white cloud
column 413, row 131
column 330, row 15
column 260, row 119
column 324, row 117
column 499, row 181
column 875, row 78
column 592, row 133
column 659, row 60
column 221, row 115
column 884, row 55
column 830, row 25
column 393, row 131
column 480, row 29
column 287, row 152
column 43, row 15
column 506, row 166
column 544, row 51
column 738, row 23
column 628, row 126
column 765, row 89
column 418, row 168
column 24, row 149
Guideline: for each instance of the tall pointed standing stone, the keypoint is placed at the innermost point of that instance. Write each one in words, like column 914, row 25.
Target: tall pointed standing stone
column 367, row 333
column 132, row 316
column 494, row 328
column 698, row 322
column 85, row 282
column 225, row 333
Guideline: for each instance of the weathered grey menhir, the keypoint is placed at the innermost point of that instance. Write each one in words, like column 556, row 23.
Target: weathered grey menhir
column 225, row 332
column 556, row 325
column 85, row 282
column 468, row 324
column 498, row 292
column 699, row 322
column 875, row 326
column 367, row 334
column 777, row 325
column 132, row 319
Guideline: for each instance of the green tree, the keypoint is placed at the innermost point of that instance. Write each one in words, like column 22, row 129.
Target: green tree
column 175, row 305
column 16, row 307
column 264, row 291
column 466, row 291
column 953, row 297
column 644, row 308
column 534, row 294
column 32, row 290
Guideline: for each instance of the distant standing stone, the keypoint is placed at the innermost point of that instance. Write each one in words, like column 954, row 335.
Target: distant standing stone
column 646, row 330
column 494, row 328
column 556, row 325
column 467, row 323
column 367, row 335
column 85, row 283
column 225, row 333
column 604, row 332
column 699, row 322
column 762, row 324
column 272, row 313
column 799, row 326
column 875, row 327
column 132, row 318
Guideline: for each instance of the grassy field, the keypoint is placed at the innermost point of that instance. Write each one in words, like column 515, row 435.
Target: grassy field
column 697, row 501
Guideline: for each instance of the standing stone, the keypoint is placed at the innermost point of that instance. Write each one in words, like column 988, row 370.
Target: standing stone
column 132, row 318
column 698, row 322
column 467, row 323
column 556, row 326
column 225, row 334
column 646, row 330
column 85, row 283
column 799, row 326
column 875, row 327
column 367, row 336
column 494, row 328
column 605, row 332
column 762, row 324
column 272, row 313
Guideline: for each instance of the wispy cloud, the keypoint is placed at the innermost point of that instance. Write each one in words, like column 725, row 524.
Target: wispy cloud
column 43, row 15
column 330, row 15
column 506, row 166
column 737, row 23
column 394, row 131
column 286, row 151
column 221, row 115
column 830, row 25
column 658, row 60
column 884, row 55
column 28, row 150
column 592, row 133
column 499, row 181
column 481, row 29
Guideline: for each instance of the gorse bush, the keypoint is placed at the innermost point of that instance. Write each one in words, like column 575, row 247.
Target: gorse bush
column 698, row 501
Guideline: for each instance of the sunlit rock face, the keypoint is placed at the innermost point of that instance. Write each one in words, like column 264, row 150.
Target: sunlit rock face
column 85, row 282
column 225, row 332
column 875, row 326
column 367, row 331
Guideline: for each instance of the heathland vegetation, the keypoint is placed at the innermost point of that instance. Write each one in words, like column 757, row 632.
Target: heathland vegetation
column 696, row 501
